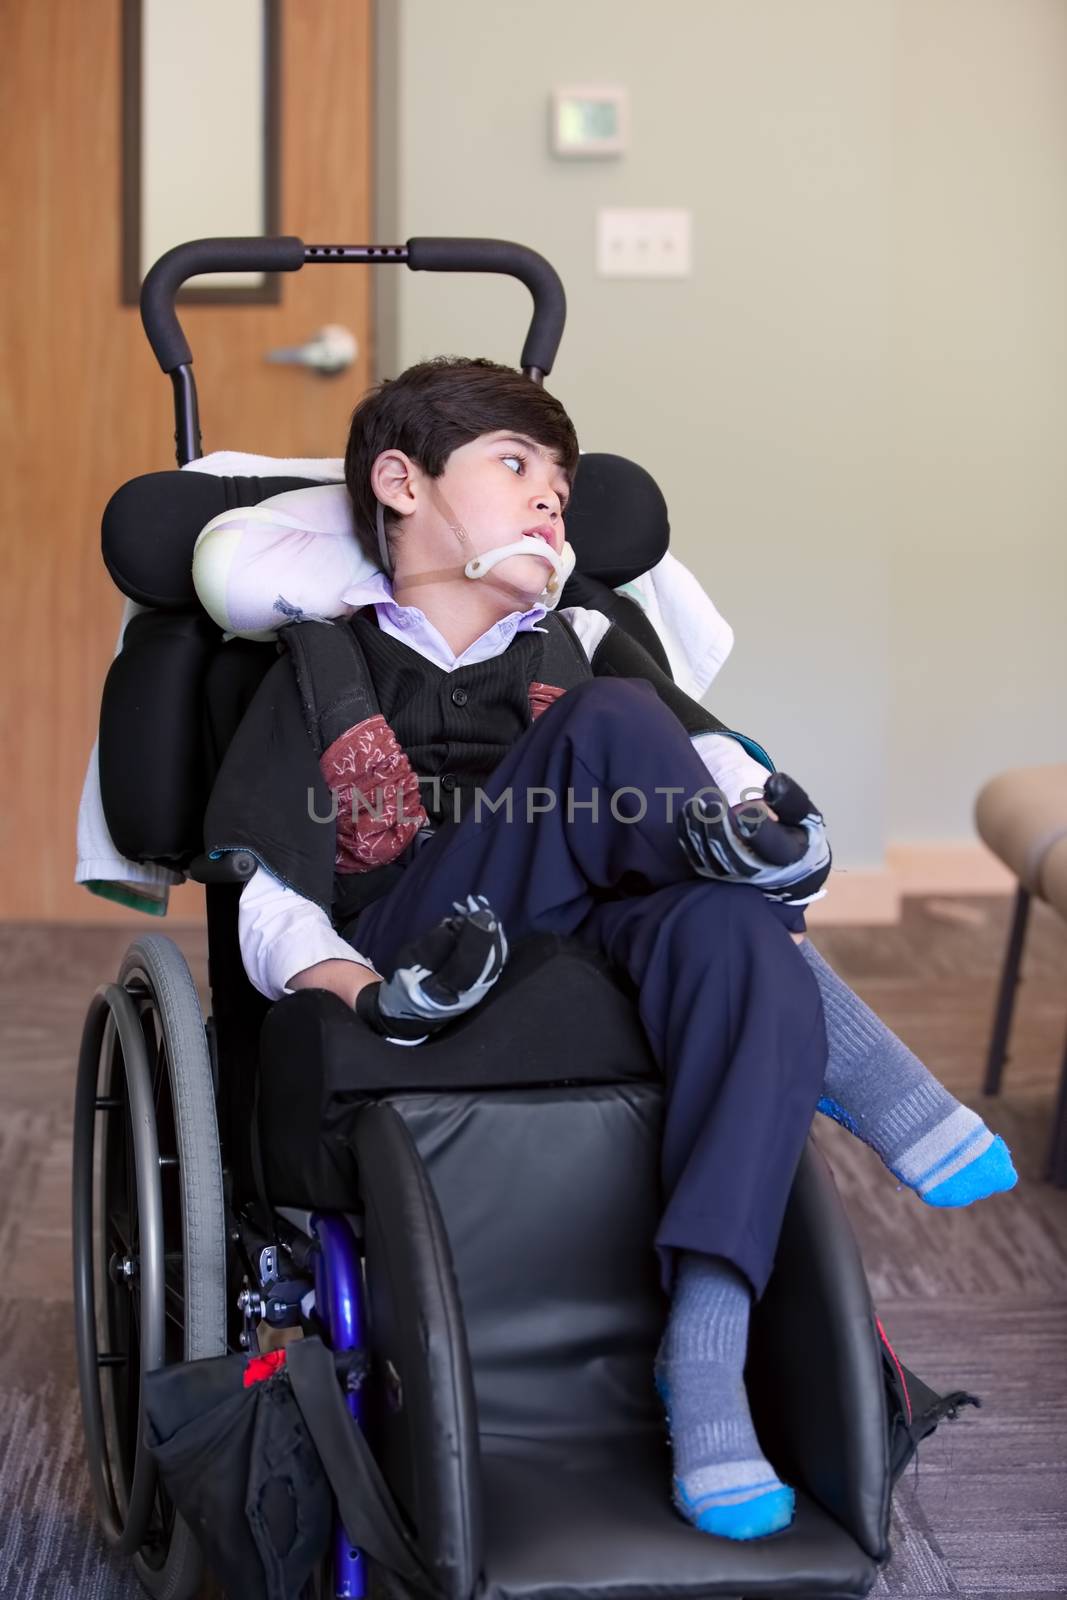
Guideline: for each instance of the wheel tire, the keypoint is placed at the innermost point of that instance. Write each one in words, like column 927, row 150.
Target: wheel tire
column 155, row 963
column 158, row 1090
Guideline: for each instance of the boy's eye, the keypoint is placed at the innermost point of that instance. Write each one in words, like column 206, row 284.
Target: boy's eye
column 520, row 468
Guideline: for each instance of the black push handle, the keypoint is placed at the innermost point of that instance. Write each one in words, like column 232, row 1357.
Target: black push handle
column 163, row 281
column 289, row 254
column 500, row 255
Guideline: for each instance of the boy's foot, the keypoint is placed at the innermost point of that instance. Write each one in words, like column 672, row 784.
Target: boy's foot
column 880, row 1091
column 722, row 1482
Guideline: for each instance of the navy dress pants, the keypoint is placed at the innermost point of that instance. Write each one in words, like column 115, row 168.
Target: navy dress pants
column 730, row 1007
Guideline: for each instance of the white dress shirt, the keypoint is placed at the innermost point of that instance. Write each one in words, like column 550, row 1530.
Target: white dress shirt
column 281, row 933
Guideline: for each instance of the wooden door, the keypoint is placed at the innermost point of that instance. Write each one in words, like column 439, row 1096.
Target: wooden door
column 85, row 406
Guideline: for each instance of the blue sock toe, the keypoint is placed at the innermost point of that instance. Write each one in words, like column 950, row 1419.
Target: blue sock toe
column 754, row 1518
column 990, row 1173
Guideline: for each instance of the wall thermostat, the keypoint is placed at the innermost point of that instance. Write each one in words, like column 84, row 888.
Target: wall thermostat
column 589, row 121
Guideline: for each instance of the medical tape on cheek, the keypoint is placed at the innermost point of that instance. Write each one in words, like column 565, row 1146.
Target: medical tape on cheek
column 442, row 506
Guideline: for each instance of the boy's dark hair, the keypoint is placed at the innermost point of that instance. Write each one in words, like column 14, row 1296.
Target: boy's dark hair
column 434, row 408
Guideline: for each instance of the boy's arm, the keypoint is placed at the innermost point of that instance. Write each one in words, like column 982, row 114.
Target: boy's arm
column 613, row 653
column 783, row 850
column 735, row 773
column 288, row 943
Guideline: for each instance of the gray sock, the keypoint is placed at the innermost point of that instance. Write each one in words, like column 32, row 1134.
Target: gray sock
column 719, row 1468
column 877, row 1089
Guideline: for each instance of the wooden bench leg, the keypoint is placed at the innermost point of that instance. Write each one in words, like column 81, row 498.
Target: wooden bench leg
column 1056, row 1168
column 1009, row 981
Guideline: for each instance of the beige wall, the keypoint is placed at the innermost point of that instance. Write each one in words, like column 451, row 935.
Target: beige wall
column 855, row 405
column 979, row 339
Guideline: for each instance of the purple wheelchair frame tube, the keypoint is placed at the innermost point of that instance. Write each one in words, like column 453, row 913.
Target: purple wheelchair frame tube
column 339, row 1301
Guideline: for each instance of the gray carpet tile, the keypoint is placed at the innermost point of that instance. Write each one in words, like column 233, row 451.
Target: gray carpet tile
column 973, row 1299
column 50, row 1544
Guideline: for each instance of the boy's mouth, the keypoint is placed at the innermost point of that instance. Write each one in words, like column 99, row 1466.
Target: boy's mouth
column 542, row 531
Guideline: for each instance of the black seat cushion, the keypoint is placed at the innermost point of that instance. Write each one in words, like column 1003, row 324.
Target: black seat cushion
column 559, row 1014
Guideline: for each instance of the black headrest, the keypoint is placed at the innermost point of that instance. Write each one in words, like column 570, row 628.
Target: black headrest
column 616, row 521
column 151, row 524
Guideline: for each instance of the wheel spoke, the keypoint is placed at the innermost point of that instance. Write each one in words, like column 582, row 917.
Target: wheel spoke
column 129, row 1185
column 159, row 1063
column 120, row 1233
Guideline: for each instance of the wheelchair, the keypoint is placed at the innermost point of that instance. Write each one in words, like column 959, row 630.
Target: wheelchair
column 476, row 1214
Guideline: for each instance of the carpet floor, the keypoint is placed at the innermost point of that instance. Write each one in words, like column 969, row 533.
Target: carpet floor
column 973, row 1299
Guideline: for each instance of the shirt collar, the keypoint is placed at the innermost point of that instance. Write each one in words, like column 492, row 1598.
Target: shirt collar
column 375, row 589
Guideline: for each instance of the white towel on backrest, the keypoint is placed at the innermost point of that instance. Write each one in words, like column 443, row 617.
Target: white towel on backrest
column 99, row 864
column 235, row 464
column 696, row 638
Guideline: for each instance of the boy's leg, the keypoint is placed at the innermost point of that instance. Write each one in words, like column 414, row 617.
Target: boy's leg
column 723, row 1483
column 726, row 999
column 880, row 1091
column 733, row 1016
column 738, row 1029
column 545, row 844
column 735, row 1022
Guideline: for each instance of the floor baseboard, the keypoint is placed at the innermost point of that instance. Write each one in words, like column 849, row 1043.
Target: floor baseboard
column 871, row 896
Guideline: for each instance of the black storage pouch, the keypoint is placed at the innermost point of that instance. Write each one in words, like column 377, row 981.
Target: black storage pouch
column 241, row 1462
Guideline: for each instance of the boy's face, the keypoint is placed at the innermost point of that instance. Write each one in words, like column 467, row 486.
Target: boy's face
column 495, row 489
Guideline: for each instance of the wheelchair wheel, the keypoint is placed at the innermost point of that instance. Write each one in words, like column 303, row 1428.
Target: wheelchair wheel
column 149, row 1240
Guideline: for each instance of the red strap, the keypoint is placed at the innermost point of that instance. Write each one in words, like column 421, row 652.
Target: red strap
column 896, row 1363
column 262, row 1367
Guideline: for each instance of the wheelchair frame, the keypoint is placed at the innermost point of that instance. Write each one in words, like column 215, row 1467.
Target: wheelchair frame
column 147, row 1173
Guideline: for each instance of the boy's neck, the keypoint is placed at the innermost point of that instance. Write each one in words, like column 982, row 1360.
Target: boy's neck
column 460, row 608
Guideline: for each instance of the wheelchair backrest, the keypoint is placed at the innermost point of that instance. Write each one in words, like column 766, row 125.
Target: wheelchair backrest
column 176, row 692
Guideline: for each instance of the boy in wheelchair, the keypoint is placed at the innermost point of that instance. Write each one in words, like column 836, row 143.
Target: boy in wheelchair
column 555, row 751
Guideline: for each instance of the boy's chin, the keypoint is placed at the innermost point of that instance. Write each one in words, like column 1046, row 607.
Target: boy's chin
column 520, row 578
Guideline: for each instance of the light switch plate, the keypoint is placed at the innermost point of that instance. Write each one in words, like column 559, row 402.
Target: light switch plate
column 634, row 243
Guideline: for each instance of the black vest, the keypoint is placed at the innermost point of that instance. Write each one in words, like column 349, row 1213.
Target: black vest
column 454, row 727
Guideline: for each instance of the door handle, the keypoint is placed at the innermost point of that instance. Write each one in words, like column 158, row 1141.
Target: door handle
column 331, row 350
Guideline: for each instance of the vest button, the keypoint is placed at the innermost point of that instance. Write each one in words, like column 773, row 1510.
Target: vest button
column 460, row 697
column 448, row 782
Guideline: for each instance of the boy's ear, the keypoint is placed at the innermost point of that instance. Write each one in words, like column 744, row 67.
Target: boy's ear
column 391, row 481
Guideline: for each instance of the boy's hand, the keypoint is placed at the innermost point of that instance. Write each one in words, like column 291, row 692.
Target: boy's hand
column 440, row 975
column 777, row 844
